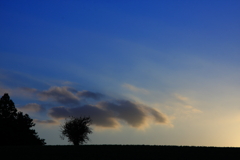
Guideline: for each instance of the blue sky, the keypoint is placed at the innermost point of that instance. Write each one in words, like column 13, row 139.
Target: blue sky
column 148, row 72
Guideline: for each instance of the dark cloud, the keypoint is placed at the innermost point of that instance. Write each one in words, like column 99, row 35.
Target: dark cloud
column 44, row 121
column 100, row 117
column 103, row 113
column 67, row 95
column 60, row 94
column 88, row 94
column 73, row 90
column 130, row 112
column 158, row 116
column 31, row 107
column 108, row 114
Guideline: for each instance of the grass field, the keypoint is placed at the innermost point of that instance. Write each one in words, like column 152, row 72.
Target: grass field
column 118, row 152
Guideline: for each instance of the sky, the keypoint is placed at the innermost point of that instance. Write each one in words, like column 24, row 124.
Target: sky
column 146, row 72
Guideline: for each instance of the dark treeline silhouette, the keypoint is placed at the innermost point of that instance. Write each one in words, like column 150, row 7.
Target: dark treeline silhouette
column 15, row 127
column 76, row 130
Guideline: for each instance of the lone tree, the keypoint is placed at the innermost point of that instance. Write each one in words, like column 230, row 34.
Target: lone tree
column 15, row 127
column 76, row 130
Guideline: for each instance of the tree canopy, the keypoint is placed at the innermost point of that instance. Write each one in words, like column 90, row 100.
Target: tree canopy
column 15, row 127
column 76, row 129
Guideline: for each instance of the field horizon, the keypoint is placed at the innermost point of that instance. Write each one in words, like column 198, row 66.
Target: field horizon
column 106, row 151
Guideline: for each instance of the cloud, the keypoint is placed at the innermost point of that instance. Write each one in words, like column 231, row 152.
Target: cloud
column 4, row 90
column 44, row 121
column 68, row 83
column 88, row 94
column 62, row 95
column 192, row 109
column 182, row 106
column 158, row 116
column 27, row 89
column 67, row 95
column 185, row 102
column 31, row 107
column 110, row 114
column 131, row 113
column 135, row 89
column 99, row 116
column 19, row 92
column 181, row 98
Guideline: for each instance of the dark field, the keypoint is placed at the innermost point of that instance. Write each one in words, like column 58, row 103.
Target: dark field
column 118, row 152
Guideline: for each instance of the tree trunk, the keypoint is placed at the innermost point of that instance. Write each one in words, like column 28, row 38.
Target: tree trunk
column 76, row 143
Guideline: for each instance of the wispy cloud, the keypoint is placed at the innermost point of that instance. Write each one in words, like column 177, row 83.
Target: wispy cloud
column 5, row 90
column 181, row 98
column 59, row 94
column 135, row 89
column 186, row 104
column 182, row 106
column 31, row 107
column 19, row 92
column 27, row 89
column 192, row 109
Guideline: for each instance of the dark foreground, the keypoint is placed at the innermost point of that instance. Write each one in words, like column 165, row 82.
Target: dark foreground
column 117, row 152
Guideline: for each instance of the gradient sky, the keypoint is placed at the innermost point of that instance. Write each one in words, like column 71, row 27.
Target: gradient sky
column 147, row 72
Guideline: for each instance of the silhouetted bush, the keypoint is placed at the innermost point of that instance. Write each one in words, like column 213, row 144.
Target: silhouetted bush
column 76, row 129
column 15, row 126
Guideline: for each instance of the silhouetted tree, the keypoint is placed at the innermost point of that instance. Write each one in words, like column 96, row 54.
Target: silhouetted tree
column 15, row 127
column 76, row 129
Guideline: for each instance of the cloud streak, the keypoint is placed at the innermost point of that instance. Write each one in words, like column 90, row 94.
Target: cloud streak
column 27, row 89
column 67, row 95
column 59, row 94
column 135, row 89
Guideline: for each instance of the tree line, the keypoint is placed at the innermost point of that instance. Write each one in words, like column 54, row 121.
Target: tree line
column 16, row 127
